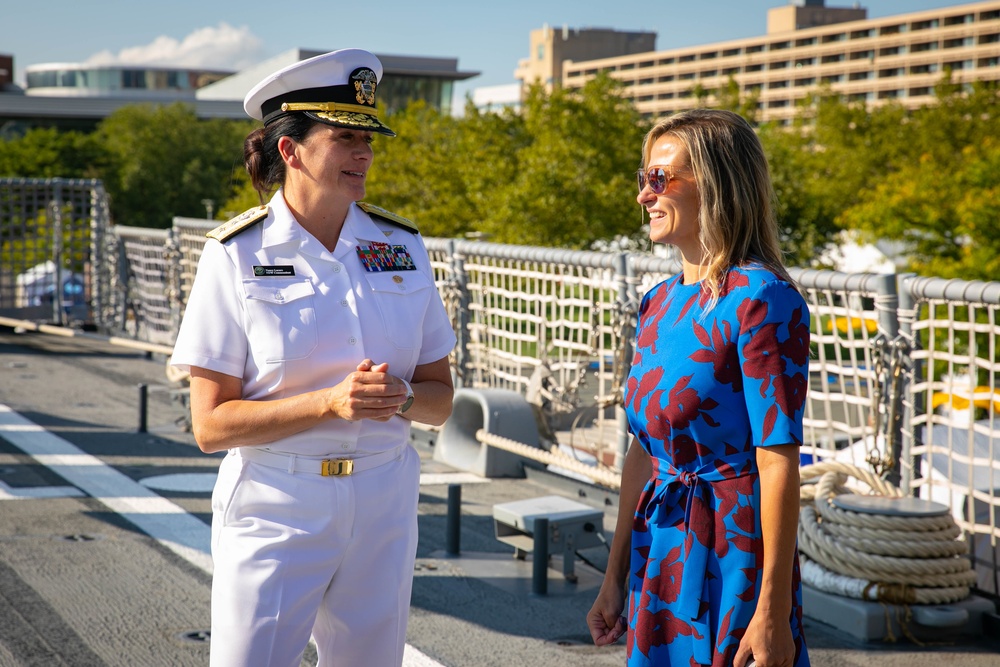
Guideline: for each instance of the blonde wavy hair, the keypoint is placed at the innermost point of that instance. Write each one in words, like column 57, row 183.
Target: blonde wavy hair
column 736, row 216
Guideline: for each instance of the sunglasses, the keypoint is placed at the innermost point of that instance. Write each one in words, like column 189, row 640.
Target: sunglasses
column 658, row 178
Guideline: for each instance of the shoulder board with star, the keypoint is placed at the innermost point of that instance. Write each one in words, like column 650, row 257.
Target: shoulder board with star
column 240, row 223
column 379, row 212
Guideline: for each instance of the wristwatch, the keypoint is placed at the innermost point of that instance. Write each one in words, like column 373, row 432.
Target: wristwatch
column 409, row 398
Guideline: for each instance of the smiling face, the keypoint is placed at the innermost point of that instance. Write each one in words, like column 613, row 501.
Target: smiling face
column 335, row 161
column 673, row 215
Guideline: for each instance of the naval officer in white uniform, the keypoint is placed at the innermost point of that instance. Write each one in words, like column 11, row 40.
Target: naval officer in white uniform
column 313, row 335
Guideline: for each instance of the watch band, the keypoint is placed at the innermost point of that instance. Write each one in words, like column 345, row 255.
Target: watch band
column 409, row 398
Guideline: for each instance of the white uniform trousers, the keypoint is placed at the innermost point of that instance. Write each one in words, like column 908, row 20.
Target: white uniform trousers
column 299, row 554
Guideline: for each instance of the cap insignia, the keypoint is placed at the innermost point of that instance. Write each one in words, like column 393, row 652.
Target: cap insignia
column 365, row 83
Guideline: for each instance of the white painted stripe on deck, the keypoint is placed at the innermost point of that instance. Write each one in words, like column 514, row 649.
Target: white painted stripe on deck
column 166, row 522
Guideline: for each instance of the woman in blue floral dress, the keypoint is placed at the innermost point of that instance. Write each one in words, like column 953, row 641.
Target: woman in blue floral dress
column 704, row 564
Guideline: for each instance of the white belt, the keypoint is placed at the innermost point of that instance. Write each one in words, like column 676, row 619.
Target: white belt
column 339, row 467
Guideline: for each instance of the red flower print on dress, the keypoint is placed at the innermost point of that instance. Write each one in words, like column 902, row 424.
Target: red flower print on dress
column 721, row 353
column 649, row 334
column 796, row 347
column 790, row 393
column 686, row 405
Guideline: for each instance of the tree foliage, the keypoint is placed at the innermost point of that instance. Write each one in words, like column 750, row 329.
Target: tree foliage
column 559, row 172
column 165, row 162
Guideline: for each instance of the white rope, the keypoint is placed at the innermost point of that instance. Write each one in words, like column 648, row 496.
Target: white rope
column 561, row 460
column 897, row 559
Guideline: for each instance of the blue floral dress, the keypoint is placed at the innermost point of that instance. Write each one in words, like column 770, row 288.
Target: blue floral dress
column 706, row 387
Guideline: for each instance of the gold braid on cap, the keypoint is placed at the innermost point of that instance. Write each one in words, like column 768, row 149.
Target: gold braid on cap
column 328, row 106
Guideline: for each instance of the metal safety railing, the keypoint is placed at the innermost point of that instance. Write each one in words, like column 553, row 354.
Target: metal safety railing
column 904, row 374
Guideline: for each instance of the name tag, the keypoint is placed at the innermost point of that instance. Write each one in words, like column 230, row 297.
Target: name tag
column 378, row 256
column 280, row 270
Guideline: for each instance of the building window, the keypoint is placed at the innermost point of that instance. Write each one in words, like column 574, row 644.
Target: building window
column 665, row 79
column 590, row 72
column 645, row 63
column 929, row 68
column 924, row 25
column 708, row 55
column 959, row 64
column 860, row 76
column 688, row 76
column 889, row 94
column 777, row 46
column 892, row 50
column 753, row 68
column 832, row 58
column 991, row 15
column 730, row 52
column 644, row 98
column 729, row 71
column 540, row 54
column 890, row 30
column 894, row 71
column 665, row 96
column 862, row 55
column 807, row 81
column 753, row 87
column 805, row 41
column 756, row 48
column 833, row 78
column 666, row 61
column 646, row 82
column 957, row 43
column 805, row 62
column 989, row 62
column 777, row 104
column 626, row 66
column 919, row 92
column 778, row 84
column 709, row 72
column 958, row 20
column 133, row 78
column 859, row 97
column 862, row 34
column 989, row 39
column 923, row 46
column 781, row 64
column 835, row 37
column 689, row 58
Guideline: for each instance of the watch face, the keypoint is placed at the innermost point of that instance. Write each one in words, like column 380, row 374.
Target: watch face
column 406, row 404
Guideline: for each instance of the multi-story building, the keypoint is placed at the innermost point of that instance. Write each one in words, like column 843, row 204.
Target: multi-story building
column 552, row 47
column 807, row 46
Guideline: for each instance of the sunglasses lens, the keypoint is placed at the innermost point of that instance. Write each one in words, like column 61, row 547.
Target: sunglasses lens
column 657, row 178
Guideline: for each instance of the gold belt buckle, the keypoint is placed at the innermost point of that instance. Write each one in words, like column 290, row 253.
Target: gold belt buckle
column 336, row 467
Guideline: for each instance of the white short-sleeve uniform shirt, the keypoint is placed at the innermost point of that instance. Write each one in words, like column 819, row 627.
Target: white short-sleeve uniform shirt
column 274, row 307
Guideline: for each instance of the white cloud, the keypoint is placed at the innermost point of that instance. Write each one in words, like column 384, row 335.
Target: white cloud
column 222, row 47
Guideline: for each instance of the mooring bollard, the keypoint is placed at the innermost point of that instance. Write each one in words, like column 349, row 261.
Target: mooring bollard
column 143, row 400
column 454, row 528
column 540, row 564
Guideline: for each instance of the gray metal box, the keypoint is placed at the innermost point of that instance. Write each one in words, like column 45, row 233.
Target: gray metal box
column 572, row 526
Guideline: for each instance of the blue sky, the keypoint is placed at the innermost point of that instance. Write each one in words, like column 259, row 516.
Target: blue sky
column 489, row 37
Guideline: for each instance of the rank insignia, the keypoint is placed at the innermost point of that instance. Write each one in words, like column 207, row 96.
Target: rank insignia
column 378, row 256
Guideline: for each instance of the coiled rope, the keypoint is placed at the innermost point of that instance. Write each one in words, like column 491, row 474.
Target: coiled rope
column 877, row 557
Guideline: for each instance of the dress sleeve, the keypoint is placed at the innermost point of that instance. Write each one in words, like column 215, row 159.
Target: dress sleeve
column 774, row 359
column 212, row 334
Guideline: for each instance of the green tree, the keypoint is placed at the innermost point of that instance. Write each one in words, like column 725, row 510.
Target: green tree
column 48, row 153
column 574, row 169
column 165, row 162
